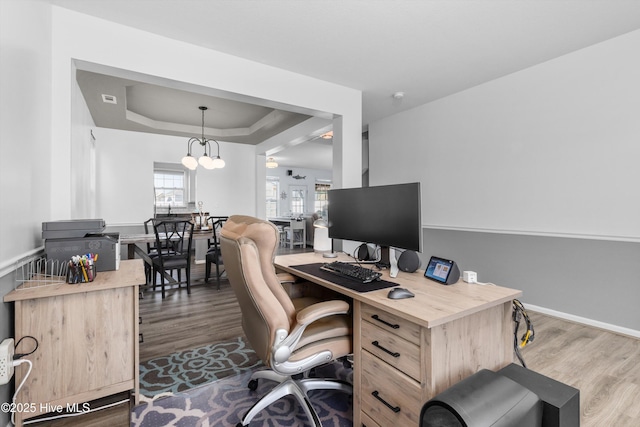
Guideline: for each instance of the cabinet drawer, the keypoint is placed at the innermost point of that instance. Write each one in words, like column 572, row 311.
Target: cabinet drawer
column 391, row 348
column 389, row 396
column 392, row 323
column 367, row 421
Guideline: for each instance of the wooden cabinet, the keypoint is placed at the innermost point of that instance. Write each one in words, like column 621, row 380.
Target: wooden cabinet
column 88, row 340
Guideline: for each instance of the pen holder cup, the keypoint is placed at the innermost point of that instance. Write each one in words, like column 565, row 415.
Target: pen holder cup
column 77, row 274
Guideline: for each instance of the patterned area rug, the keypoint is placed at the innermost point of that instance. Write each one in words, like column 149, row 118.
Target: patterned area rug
column 188, row 369
column 223, row 402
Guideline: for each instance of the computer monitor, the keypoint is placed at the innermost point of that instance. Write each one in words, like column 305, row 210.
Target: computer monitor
column 386, row 215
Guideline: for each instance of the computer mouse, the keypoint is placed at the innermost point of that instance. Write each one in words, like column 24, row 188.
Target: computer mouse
column 400, row 293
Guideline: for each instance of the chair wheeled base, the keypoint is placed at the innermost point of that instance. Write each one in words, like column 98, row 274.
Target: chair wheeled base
column 298, row 388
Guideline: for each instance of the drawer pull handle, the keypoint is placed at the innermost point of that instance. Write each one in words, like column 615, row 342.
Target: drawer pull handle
column 375, row 394
column 392, row 353
column 391, row 325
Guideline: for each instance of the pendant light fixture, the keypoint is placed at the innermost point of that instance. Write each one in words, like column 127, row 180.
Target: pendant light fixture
column 207, row 162
column 271, row 163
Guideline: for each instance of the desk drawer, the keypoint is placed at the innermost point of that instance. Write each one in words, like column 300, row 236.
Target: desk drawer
column 392, row 323
column 389, row 396
column 367, row 421
column 396, row 351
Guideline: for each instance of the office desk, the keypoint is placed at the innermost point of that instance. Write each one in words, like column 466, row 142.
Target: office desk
column 88, row 340
column 407, row 351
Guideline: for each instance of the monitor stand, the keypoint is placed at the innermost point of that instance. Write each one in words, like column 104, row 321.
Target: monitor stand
column 384, row 258
column 331, row 254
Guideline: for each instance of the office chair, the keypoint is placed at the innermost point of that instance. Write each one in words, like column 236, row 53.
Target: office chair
column 173, row 243
column 291, row 336
column 213, row 255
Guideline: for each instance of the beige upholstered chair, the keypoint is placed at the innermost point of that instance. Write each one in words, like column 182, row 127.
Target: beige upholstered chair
column 291, row 336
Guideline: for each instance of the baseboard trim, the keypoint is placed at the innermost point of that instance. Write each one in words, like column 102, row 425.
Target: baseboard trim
column 583, row 320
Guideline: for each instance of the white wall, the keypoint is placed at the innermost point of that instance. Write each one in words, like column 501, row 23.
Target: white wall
column 25, row 143
column 125, row 176
column 532, row 180
column 83, row 158
column 551, row 149
column 25, row 125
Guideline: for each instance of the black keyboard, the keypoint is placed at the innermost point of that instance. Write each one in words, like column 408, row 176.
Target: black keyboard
column 352, row 271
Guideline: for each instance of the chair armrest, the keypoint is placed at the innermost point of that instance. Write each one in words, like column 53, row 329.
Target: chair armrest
column 286, row 343
column 286, row 278
column 321, row 309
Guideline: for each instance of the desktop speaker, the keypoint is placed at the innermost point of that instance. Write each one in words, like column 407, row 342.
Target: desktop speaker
column 409, row 261
column 454, row 276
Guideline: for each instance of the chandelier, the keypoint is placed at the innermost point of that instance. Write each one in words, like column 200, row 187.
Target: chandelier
column 207, row 162
column 271, row 163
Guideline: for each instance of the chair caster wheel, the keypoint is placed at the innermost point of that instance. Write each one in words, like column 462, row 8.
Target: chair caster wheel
column 239, row 425
column 253, row 385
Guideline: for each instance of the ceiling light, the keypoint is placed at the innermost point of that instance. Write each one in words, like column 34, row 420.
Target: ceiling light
column 327, row 135
column 205, row 161
column 271, row 163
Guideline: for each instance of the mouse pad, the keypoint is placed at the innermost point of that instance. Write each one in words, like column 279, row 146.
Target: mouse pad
column 354, row 285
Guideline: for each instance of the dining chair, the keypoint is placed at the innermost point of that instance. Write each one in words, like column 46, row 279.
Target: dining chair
column 152, row 252
column 214, row 256
column 173, row 241
column 295, row 233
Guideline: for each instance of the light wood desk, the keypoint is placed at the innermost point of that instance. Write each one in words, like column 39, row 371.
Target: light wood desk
column 407, row 351
column 88, row 340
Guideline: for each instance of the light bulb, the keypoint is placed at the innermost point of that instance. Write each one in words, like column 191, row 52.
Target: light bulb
column 206, row 161
column 218, row 163
column 189, row 162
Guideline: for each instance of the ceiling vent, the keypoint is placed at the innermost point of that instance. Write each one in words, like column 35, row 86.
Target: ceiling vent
column 109, row 99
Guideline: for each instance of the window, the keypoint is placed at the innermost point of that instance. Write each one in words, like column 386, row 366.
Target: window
column 170, row 188
column 298, row 195
column 320, row 202
column 273, row 189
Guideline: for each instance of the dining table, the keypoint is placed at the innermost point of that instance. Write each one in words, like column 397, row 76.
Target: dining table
column 133, row 240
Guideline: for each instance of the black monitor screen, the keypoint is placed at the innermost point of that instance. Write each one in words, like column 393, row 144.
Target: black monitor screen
column 387, row 215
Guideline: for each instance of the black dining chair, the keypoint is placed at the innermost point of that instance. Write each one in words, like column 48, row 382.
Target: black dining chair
column 173, row 244
column 152, row 252
column 214, row 256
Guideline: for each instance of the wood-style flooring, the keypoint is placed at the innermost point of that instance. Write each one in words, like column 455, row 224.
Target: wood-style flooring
column 182, row 321
column 604, row 366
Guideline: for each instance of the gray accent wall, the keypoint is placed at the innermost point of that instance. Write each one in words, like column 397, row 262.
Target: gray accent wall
column 593, row 279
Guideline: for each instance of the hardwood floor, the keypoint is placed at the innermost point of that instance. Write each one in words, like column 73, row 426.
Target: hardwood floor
column 182, row 321
column 604, row 366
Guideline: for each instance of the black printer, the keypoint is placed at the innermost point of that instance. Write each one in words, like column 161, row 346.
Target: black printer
column 64, row 239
